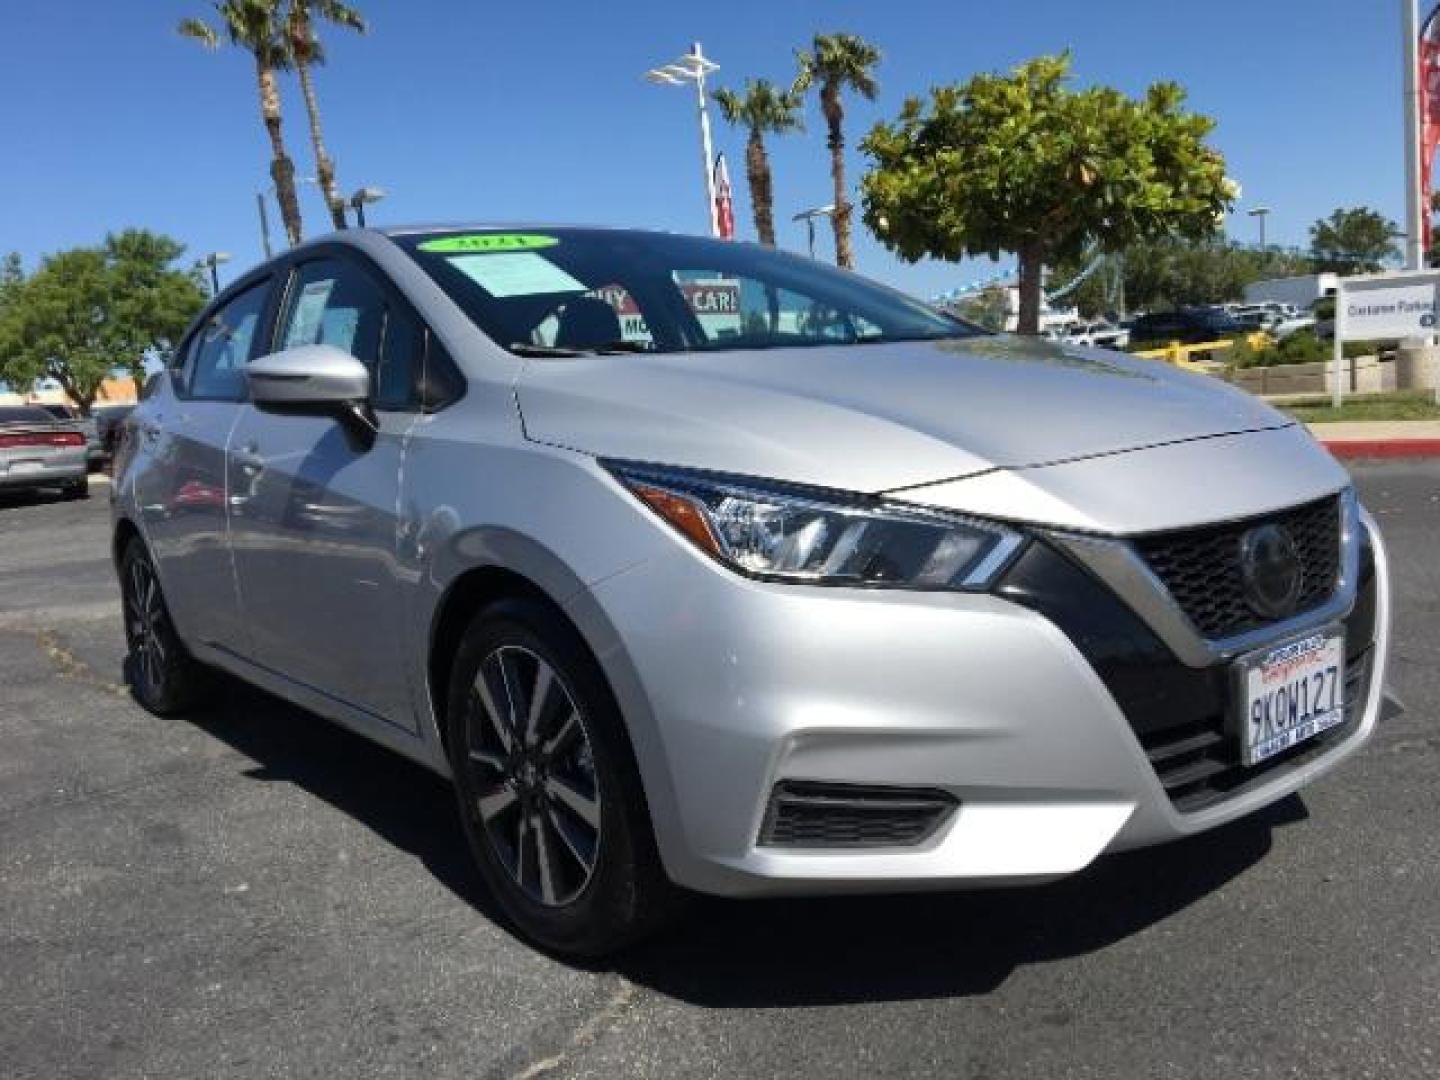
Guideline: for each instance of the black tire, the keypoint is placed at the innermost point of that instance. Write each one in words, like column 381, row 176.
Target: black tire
column 546, row 772
column 162, row 674
column 78, row 489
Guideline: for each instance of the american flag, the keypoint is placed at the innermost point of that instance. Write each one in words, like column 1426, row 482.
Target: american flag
column 724, row 201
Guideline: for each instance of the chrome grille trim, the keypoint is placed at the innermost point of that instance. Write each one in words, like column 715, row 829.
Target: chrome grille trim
column 1117, row 563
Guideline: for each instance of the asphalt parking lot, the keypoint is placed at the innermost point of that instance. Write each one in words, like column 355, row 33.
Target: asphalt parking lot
column 252, row 892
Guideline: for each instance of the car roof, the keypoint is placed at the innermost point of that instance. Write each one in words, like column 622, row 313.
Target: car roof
column 421, row 228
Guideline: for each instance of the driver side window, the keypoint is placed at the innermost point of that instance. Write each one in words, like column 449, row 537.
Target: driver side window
column 335, row 302
column 222, row 348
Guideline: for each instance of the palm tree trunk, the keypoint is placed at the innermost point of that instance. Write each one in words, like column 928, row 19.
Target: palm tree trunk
column 840, row 219
column 282, row 169
column 762, row 195
column 324, row 166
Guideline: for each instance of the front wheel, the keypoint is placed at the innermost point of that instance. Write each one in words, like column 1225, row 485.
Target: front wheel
column 548, row 788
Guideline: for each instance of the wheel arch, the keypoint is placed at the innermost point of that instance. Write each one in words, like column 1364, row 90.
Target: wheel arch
column 486, row 565
column 125, row 531
column 470, row 593
column 494, row 564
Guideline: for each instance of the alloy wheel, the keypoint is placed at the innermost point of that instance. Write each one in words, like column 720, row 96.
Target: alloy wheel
column 144, row 623
column 532, row 771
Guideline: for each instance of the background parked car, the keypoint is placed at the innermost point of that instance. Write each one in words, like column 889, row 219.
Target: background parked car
column 1188, row 327
column 37, row 450
column 108, row 424
column 1255, row 318
column 1289, row 324
column 1099, row 334
column 94, row 452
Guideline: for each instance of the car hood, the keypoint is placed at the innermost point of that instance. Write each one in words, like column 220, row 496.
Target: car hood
column 877, row 417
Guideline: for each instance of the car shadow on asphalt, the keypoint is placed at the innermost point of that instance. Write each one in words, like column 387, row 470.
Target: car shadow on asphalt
column 769, row 953
column 842, row 950
column 404, row 804
column 31, row 497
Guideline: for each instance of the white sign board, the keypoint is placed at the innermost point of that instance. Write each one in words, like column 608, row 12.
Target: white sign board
column 1386, row 307
column 1382, row 307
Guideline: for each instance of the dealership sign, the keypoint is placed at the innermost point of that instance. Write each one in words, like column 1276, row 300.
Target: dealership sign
column 1381, row 307
column 715, row 303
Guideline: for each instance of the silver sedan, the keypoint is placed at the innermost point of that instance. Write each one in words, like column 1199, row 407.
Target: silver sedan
column 696, row 565
column 39, row 451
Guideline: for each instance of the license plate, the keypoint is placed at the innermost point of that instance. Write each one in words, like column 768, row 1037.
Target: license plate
column 26, row 466
column 1290, row 693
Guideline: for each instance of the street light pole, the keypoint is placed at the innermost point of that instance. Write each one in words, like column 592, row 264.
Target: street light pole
column 360, row 198
column 264, row 223
column 809, row 216
column 1261, row 212
column 693, row 67
column 212, row 262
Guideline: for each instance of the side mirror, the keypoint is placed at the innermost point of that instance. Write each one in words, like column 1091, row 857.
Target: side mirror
column 309, row 379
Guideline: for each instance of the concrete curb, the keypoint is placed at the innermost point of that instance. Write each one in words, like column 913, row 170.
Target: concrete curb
column 1349, row 449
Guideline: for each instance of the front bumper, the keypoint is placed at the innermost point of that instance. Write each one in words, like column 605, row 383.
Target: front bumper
column 739, row 685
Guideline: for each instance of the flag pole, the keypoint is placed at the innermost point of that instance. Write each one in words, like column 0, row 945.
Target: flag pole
column 1415, row 216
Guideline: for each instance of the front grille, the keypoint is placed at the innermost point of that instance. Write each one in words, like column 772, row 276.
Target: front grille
column 1181, row 715
column 814, row 815
column 1201, row 567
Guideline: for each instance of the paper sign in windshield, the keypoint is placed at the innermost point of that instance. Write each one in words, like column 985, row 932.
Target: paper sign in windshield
column 515, row 273
column 309, row 310
column 477, row 242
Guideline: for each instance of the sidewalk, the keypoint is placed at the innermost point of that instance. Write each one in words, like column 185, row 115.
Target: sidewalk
column 1380, row 438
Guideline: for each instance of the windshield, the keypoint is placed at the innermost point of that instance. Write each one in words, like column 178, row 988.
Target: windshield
column 571, row 291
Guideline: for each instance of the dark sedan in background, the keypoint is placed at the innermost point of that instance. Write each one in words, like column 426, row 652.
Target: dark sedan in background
column 1192, row 326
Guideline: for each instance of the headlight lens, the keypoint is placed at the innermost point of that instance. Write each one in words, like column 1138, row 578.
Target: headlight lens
column 824, row 538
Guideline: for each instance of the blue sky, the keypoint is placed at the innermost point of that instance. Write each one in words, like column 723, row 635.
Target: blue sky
column 495, row 110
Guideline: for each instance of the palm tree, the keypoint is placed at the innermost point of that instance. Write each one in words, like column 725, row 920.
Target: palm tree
column 761, row 109
column 836, row 63
column 254, row 25
column 306, row 53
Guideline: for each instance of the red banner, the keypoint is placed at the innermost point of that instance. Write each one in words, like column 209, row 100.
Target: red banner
column 1429, row 114
column 724, row 201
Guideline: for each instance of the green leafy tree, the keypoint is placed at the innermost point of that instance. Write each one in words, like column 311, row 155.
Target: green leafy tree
column 988, row 308
column 761, row 110
column 307, row 53
column 1023, row 163
column 258, row 27
column 837, row 63
column 89, row 311
column 12, row 273
column 1156, row 275
column 1358, row 240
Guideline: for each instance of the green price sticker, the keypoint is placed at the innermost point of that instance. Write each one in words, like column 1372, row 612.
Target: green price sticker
column 482, row 242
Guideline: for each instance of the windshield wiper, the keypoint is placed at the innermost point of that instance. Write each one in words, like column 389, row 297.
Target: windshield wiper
column 525, row 348
column 626, row 347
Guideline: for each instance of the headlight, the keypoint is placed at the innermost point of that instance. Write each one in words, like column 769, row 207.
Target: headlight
column 822, row 537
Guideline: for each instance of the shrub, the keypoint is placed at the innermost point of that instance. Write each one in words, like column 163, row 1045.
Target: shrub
column 1302, row 347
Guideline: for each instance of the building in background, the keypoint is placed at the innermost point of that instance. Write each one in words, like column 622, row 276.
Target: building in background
column 1300, row 291
column 118, row 390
